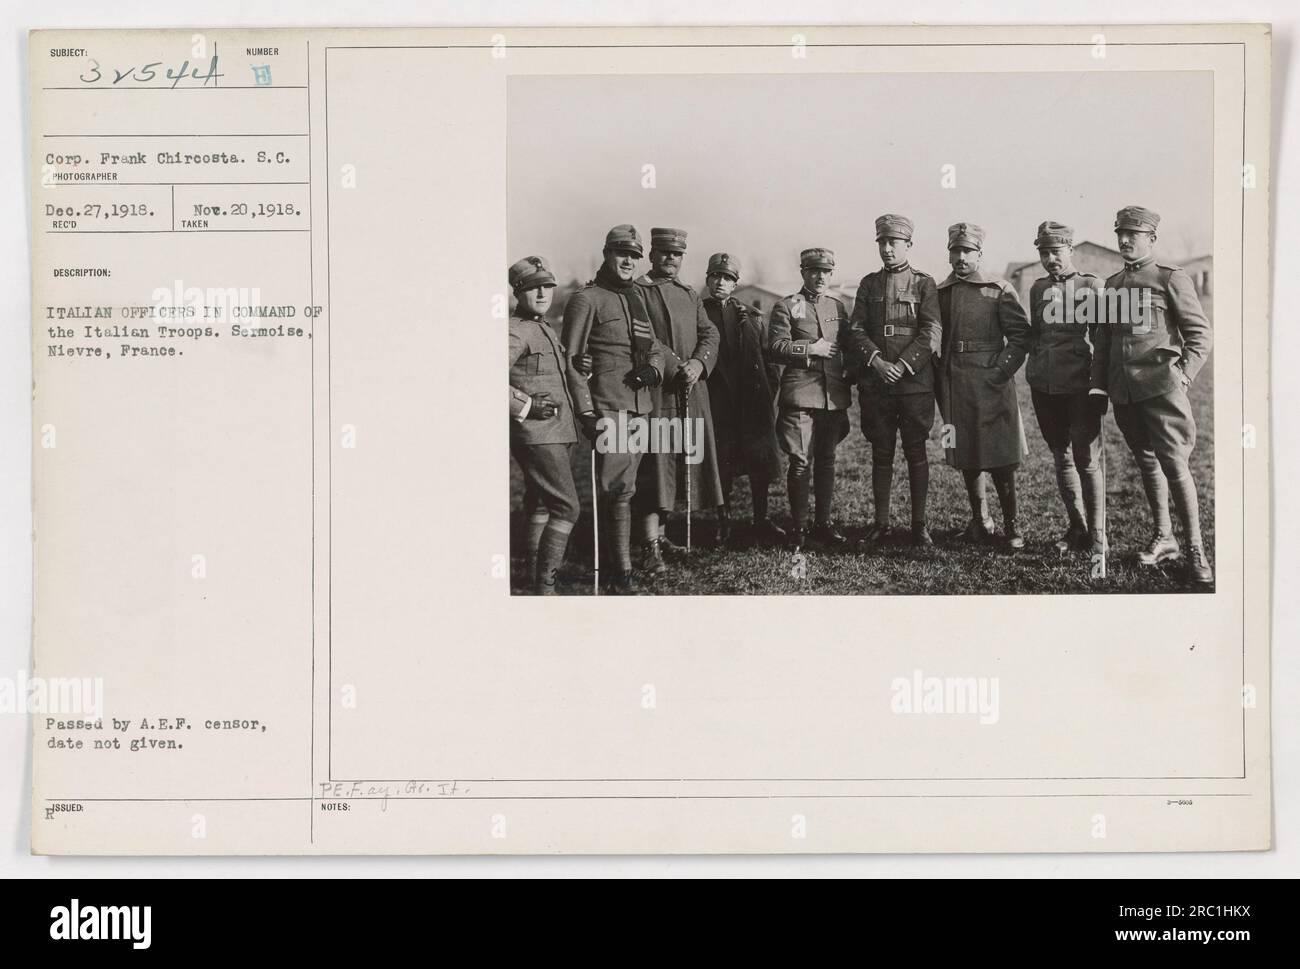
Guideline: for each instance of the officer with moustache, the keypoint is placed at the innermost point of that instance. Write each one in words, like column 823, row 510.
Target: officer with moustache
column 986, row 336
column 690, row 348
column 1059, row 374
column 1150, row 357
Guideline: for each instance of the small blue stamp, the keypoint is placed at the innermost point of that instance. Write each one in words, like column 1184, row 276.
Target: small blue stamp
column 262, row 74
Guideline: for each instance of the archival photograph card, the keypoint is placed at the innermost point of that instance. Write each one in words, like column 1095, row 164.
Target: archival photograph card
column 887, row 424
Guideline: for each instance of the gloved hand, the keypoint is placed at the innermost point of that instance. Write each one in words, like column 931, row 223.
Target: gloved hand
column 588, row 421
column 542, row 409
column 643, row 376
column 582, row 364
column 690, row 373
column 1098, row 404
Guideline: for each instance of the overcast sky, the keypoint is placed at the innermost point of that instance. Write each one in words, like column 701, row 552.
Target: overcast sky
column 765, row 165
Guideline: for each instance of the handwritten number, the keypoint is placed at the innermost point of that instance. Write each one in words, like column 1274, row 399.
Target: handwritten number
column 145, row 74
column 176, row 77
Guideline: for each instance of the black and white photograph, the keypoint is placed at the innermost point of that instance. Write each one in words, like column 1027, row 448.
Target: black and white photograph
column 923, row 372
column 919, row 334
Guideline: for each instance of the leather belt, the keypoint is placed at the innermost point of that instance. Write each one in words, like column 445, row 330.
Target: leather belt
column 899, row 329
column 974, row 346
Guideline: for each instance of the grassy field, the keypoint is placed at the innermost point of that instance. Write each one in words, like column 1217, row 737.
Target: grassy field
column 955, row 568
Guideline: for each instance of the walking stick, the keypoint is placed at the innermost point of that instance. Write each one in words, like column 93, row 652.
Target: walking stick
column 1098, row 559
column 595, row 527
column 686, row 435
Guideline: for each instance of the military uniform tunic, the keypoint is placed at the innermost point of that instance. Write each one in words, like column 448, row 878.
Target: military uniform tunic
column 1141, row 361
column 813, row 382
column 599, row 321
column 1061, row 352
column 539, row 366
column 1144, row 358
column 896, row 314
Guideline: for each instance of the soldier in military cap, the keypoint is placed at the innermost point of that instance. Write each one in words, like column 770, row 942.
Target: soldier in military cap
column 690, row 348
column 986, row 336
column 804, row 334
column 1059, row 373
column 742, row 389
column 546, row 397
column 607, row 321
column 894, row 326
column 1150, row 356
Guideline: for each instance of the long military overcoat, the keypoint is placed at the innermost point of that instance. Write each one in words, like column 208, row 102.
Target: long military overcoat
column 683, row 329
column 985, row 338
column 742, row 390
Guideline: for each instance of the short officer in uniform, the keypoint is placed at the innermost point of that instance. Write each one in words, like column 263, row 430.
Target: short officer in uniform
column 546, row 396
column 607, row 321
column 690, row 348
column 742, row 389
column 1059, row 373
column 985, row 339
column 1151, row 355
column 893, row 330
column 804, row 331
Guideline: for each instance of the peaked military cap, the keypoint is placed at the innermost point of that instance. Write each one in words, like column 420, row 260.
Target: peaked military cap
column 669, row 240
column 966, row 235
column 894, row 227
column 816, row 259
column 529, row 273
column 724, row 263
column 1136, row 217
column 1053, row 234
column 624, row 237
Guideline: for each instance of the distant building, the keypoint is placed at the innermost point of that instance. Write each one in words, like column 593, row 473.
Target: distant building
column 1104, row 261
column 1089, row 257
column 1200, row 269
column 763, row 295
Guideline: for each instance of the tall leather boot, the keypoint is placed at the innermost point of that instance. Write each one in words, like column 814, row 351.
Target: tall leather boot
column 1094, row 504
column 882, row 486
column 918, row 484
column 1070, row 486
column 980, row 528
column 724, row 526
column 537, row 522
column 1157, row 491
column 766, row 531
column 652, row 561
column 797, row 487
column 1004, row 480
column 550, row 554
column 1183, row 491
column 620, row 539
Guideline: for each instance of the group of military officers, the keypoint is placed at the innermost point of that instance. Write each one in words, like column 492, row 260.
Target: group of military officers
column 634, row 347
